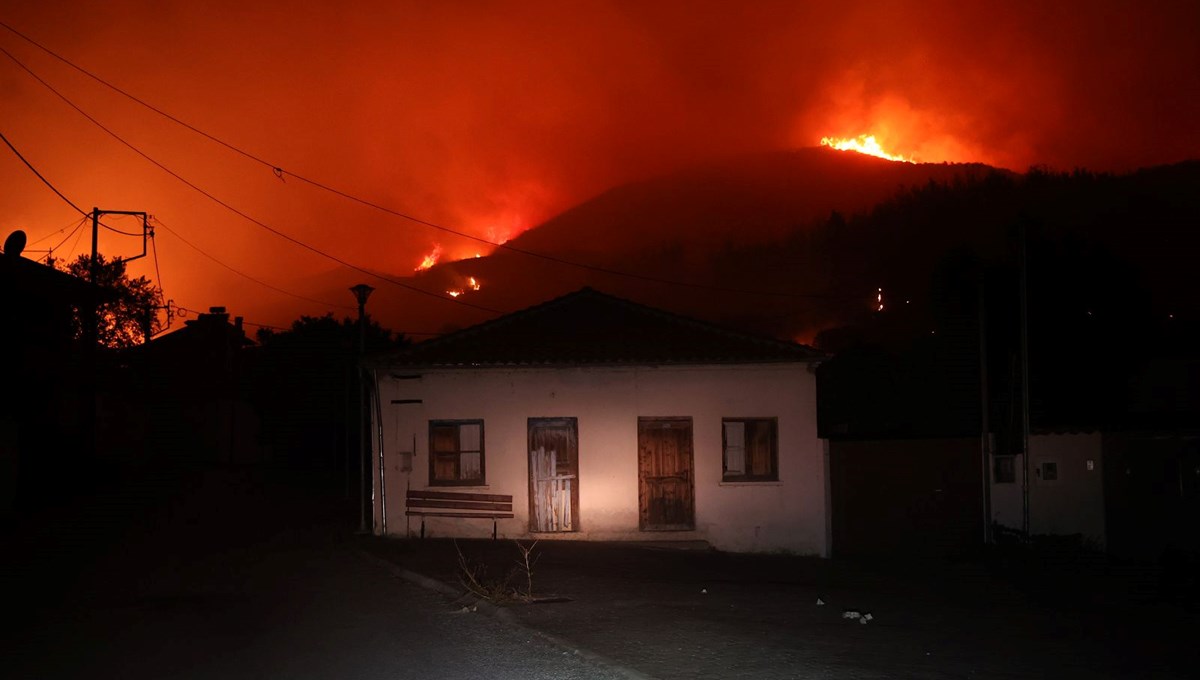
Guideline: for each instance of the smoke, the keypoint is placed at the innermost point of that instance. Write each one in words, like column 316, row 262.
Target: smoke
column 491, row 119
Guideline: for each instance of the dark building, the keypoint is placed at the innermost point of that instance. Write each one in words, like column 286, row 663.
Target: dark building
column 46, row 419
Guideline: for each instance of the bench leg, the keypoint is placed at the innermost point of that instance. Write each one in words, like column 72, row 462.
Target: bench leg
column 493, row 528
column 422, row 527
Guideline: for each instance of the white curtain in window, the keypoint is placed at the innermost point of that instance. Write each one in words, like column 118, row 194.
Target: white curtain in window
column 470, row 451
column 735, row 448
column 468, row 467
column 468, row 437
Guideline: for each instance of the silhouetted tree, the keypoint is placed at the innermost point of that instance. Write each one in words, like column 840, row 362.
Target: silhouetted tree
column 123, row 321
column 305, row 385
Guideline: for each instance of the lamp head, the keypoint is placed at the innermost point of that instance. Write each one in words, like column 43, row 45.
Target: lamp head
column 361, row 292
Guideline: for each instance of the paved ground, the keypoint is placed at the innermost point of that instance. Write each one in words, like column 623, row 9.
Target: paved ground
column 672, row 613
column 235, row 577
column 228, row 574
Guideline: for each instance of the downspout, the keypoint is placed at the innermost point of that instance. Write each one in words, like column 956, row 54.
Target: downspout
column 379, row 428
column 1025, row 518
column 985, row 426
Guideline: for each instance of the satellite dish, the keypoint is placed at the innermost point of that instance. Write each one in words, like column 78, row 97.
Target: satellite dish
column 14, row 244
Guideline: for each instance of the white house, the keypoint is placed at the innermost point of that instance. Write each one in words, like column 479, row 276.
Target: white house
column 604, row 419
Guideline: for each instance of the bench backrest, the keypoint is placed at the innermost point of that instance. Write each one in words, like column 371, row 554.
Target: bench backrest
column 459, row 500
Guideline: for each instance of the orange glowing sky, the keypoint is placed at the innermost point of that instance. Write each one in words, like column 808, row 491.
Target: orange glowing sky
column 490, row 117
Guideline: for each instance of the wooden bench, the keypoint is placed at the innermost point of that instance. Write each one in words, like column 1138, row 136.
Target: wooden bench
column 458, row 504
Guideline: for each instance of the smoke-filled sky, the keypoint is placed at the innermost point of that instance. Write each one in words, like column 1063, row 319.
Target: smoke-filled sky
column 489, row 117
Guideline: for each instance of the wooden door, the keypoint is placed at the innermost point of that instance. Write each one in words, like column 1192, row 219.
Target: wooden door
column 665, row 487
column 553, row 474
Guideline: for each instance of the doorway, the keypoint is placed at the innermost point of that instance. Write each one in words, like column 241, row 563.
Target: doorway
column 553, row 475
column 665, row 485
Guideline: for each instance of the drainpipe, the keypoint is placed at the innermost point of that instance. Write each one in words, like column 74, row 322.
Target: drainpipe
column 1024, row 384
column 379, row 428
column 985, row 428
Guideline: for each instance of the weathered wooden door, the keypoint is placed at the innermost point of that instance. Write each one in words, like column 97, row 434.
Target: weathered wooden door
column 553, row 474
column 665, row 474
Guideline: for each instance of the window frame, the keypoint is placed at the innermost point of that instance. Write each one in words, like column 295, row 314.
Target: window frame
column 457, row 424
column 746, row 476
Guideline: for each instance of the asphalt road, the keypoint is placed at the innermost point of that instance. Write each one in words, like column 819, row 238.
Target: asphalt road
column 221, row 575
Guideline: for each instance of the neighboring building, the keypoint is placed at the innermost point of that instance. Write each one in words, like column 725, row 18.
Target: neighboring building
column 1066, row 487
column 905, row 455
column 183, row 397
column 907, row 459
column 607, row 420
column 45, row 406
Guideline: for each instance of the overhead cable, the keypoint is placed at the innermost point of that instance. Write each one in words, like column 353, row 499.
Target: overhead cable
column 279, row 171
column 237, row 211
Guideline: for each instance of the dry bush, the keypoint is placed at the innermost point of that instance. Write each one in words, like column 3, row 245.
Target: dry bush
column 473, row 576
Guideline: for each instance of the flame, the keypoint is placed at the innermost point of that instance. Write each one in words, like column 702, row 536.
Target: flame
column 430, row 259
column 472, row 284
column 865, row 144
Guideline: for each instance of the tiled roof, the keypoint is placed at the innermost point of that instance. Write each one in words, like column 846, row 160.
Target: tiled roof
column 588, row 327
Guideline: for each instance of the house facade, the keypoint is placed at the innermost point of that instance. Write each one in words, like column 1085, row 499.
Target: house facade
column 606, row 420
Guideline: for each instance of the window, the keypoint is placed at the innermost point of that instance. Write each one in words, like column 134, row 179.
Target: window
column 456, row 453
column 1004, row 470
column 751, row 450
column 1049, row 471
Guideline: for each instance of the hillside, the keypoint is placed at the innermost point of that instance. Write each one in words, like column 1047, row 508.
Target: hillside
column 794, row 243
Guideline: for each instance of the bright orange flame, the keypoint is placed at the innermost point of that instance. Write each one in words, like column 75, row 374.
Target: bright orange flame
column 865, row 144
column 472, row 283
column 454, row 293
column 430, row 259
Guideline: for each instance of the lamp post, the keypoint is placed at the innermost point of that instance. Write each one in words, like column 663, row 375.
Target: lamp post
column 361, row 292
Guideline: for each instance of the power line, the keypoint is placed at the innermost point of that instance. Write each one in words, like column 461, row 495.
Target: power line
column 280, row 172
column 157, row 271
column 248, row 323
column 193, row 246
column 38, row 174
column 75, row 224
column 118, row 231
column 234, row 210
column 76, row 243
column 78, row 226
column 53, row 188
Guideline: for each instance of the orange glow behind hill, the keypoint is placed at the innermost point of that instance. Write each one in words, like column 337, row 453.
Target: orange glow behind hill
column 864, row 144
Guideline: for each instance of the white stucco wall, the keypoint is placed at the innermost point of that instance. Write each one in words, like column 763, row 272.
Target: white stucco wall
column 1072, row 504
column 607, row 401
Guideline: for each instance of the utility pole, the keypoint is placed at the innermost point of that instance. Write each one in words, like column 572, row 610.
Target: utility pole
column 94, row 268
column 361, row 292
column 91, row 320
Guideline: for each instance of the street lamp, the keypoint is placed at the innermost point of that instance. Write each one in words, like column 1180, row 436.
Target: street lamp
column 361, row 292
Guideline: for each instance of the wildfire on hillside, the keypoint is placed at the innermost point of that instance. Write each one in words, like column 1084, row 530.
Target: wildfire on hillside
column 864, row 144
column 472, row 284
column 430, row 259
